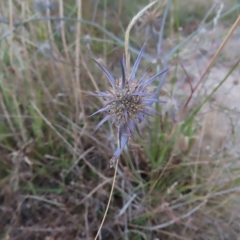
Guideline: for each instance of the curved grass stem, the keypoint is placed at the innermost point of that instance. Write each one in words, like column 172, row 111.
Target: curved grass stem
column 109, row 201
column 127, row 34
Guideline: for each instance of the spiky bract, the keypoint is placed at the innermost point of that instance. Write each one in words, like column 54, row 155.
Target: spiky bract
column 127, row 102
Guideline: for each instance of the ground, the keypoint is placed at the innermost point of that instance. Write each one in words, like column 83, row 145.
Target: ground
column 181, row 181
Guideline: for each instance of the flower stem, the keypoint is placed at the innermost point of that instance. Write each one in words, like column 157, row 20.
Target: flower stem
column 109, row 200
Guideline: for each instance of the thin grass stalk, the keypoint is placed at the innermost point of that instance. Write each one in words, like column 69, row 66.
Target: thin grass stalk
column 77, row 90
column 61, row 14
column 109, row 200
column 127, row 34
column 11, row 29
column 230, row 33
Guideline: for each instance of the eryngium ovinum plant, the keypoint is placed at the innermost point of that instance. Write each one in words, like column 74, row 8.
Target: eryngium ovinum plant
column 128, row 101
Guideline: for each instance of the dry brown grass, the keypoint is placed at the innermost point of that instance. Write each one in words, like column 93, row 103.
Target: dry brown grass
column 54, row 174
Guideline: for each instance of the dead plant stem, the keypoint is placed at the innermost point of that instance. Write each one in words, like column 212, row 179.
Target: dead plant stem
column 230, row 33
column 109, row 201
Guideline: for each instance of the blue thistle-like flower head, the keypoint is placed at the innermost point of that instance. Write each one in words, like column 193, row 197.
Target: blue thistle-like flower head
column 127, row 102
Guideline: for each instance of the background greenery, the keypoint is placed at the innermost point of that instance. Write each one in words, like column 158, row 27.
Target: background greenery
column 181, row 182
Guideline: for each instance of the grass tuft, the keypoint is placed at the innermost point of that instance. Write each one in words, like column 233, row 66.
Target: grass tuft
column 181, row 181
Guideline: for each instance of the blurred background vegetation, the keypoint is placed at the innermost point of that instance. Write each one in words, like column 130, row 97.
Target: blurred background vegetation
column 180, row 182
